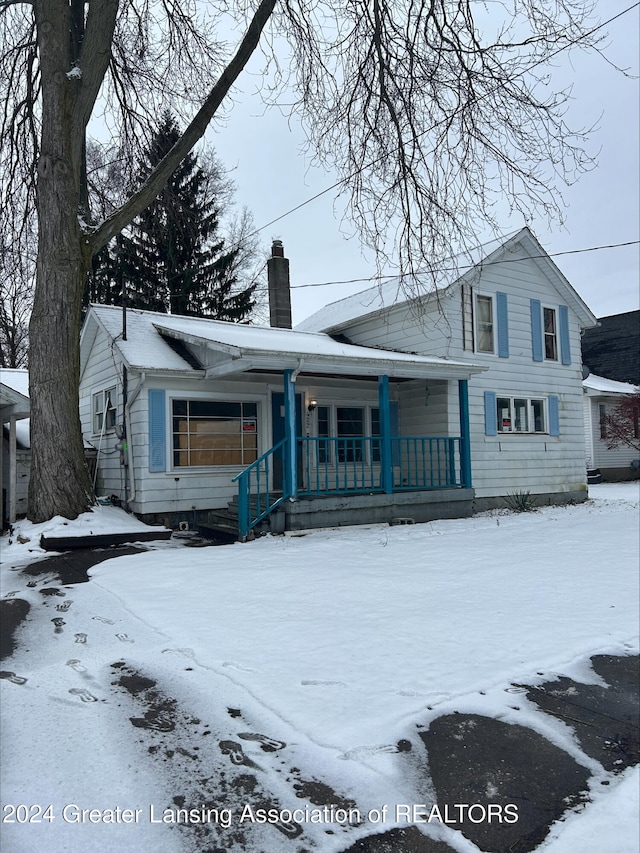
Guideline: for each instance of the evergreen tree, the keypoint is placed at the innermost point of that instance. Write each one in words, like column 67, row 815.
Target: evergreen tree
column 173, row 258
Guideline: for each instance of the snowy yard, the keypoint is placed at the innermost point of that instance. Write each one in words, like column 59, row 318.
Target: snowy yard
column 322, row 653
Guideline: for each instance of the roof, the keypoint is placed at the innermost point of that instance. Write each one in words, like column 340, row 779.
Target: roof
column 14, row 400
column 391, row 294
column 596, row 385
column 612, row 348
column 235, row 348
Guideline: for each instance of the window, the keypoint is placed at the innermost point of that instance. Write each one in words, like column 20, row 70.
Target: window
column 550, row 334
column 348, row 423
column 214, row 433
column 520, row 414
column 602, row 416
column 104, row 410
column 484, row 324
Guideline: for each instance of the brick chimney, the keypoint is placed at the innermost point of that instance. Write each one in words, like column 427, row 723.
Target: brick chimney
column 279, row 292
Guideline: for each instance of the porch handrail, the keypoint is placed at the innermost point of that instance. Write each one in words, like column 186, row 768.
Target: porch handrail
column 256, row 497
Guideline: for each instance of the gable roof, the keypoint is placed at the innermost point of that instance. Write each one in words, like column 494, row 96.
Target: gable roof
column 338, row 315
column 235, row 348
column 612, row 348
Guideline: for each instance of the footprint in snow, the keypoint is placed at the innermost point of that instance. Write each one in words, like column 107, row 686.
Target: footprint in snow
column 366, row 751
column 153, row 721
column 124, row 639
column 231, row 665
column 12, row 677
column 62, row 608
column 75, row 664
column 12, row 593
column 81, row 638
column 267, row 744
column 235, row 753
column 187, row 653
column 58, row 625
column 103, row 619
column 83, row 694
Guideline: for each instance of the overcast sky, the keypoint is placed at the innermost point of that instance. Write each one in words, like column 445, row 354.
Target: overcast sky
column 264, row 151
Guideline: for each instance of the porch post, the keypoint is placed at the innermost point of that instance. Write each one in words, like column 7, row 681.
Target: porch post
column 465, row 435
column 290, row 467
column 385, row 435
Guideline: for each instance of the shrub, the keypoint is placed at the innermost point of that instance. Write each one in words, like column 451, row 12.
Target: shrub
column 521, row 501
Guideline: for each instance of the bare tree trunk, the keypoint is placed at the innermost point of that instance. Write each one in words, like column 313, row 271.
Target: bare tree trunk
column 60, row 482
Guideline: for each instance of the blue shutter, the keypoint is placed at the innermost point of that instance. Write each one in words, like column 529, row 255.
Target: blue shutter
column 503, row 325
column 490, row 414
column 554, row 415
column 565, row 346
column 536, row 329
column 157, row 431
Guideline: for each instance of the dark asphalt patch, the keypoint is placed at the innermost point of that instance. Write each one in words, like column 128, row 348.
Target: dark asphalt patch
column 480, row 761
column 409, row 840
column 13, row 611
column 605, row 719
column 72, row 566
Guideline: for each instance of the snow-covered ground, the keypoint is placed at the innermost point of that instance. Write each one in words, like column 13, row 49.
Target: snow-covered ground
column 336, row 643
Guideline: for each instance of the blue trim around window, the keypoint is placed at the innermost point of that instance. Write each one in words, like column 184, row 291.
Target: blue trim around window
column 565, row 344
column 536, row 330
column 490, row 414
column 503, row 325
column 554, row 415
column 157, row 430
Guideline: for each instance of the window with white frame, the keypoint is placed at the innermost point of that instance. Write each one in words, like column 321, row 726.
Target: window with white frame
column 484, row 322
column 602, row 419
column 550, row 326
column 343, row 427
column 104, row 410
column 520, row 415
column 213, row 432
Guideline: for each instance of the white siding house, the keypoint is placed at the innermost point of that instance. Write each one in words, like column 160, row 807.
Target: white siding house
column 178, row 408
column 15, row 462
column 515, row 314
column 601, row 396
column 377, row 408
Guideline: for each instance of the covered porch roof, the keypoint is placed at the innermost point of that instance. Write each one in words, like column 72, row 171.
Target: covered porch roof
column 223, row 349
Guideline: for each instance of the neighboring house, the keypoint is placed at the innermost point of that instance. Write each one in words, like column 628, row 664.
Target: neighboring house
column 612, row 348
column 16, row 453
column 601, row 396
column 515, row 314
column 412, row 410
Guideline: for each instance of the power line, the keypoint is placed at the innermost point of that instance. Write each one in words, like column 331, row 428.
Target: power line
column 437, row 124
column 461, row 268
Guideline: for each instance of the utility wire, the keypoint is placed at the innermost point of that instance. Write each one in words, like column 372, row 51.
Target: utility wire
column 437, row 124
column 461, row 268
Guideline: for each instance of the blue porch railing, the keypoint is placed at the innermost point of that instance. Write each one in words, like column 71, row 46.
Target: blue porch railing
column 334, row 466
column 256, row 494
column 353, row 465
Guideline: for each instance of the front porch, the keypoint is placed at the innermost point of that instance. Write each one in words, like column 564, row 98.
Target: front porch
column 306, row 481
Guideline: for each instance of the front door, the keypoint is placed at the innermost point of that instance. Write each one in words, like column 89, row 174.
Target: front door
column 277, row 421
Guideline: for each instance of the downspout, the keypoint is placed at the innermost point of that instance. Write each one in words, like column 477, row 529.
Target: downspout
column 127, row 421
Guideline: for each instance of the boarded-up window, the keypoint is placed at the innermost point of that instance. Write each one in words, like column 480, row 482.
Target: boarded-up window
column 214, row 433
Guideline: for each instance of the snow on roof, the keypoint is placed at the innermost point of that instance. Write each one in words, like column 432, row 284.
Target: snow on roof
column 338, row 315
column 18, row 380
column 394, row 293
column 607, row 386
column 145, row 348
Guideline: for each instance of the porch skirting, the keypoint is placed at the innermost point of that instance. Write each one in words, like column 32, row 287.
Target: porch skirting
column 308, row 513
